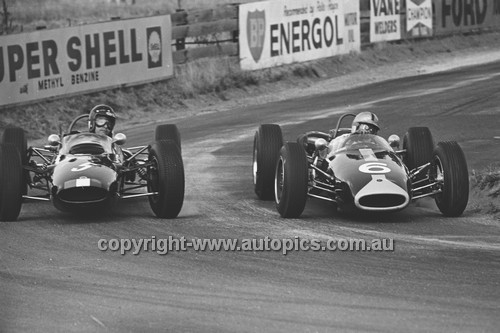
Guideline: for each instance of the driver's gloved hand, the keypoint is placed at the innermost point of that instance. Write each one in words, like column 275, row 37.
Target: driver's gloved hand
column 331, row 134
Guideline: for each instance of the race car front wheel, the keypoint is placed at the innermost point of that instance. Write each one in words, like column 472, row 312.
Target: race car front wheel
column 166, row 178
column 266, row 147
column 11, row 182
column 419, row 145
column 16, row 137
column 290, row 183
column 168, row 132
column 449, row 170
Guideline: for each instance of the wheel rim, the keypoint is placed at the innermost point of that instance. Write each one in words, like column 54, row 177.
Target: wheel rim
column 439, row 176
column 153, row 179
column 254, row 165
column 279, row 180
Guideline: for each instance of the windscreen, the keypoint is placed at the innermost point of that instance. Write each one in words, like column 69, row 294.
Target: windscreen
column 87, row 143
column 365, row 141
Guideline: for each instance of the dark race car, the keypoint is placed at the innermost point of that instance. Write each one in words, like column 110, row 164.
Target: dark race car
column 367, row 172
column 83, row 171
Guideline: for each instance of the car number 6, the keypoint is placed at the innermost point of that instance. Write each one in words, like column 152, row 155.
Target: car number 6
column 83, row 166
column 374, row 167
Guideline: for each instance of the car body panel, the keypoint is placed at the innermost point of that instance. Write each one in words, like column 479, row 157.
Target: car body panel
column 86, row 172
column 371, row 175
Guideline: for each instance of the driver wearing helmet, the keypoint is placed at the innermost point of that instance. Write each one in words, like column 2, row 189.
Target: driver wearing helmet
column 102, row 120
column 363, row 123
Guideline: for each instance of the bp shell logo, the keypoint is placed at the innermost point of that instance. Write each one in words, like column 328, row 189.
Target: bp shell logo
column 154, row 47
column 256, row 33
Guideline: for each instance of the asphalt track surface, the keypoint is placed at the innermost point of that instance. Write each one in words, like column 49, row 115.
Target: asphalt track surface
column 443, row 275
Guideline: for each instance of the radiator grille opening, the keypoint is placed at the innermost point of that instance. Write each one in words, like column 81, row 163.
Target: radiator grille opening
column 382, row 200
column 83, row 194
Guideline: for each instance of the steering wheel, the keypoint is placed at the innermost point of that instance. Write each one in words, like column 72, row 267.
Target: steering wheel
column 73, row 123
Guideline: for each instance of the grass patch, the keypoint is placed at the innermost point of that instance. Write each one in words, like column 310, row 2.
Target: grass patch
column 488, row 181
column 485, row 190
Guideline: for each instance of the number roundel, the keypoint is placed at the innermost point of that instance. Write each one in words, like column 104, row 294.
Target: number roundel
column 83, row 166
column 374, row 168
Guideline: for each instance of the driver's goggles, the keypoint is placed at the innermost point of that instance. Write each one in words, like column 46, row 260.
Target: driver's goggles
column 365, row 128
column 103, row 121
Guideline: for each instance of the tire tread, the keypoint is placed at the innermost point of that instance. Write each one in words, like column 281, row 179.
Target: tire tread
column 171, row 179
column 11, row 180
column 269, row 140
column 294, row 196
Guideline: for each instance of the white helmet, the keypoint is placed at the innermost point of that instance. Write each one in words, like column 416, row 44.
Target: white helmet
column 365, row 123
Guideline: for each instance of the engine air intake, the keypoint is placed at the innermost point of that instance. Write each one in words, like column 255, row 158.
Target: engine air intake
column 382, row 200
column 83, row 194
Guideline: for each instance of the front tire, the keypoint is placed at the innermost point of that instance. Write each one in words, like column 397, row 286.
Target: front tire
column 166, row 177
column 11, row 182
column 419, row 146
column 168, row 132
column 449, row 168
column 266, row 147
column 16, row 137
column 291, row 180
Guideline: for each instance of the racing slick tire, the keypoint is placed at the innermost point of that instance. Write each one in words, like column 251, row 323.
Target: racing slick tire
column 16, row 137
column 291, row 180
column 11, row 182
column 419, row 146
column 449, row 167
column 267, row 143
column 166, row 176
column 168, row 132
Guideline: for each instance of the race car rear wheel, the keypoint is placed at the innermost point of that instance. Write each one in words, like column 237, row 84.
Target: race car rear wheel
column 291, row 180
column 168, row 132
column 16, row 137
column 11, row 182
column 449, row 169
column 166, row 177
column 266, row 147
column 419, row 145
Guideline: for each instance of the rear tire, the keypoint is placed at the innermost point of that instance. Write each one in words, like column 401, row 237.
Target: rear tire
column 16, row 137
column 419, row 146
column 291, row 180
column 450, row 167
column 168, row 132
column 11, row 182
column 166, row 176
column 266, row 147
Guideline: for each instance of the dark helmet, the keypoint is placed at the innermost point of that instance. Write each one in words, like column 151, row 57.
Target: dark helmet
column 102, row 110
column 366, row 123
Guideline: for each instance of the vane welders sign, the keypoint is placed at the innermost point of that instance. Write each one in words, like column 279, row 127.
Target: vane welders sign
column 279, row 32
column 385, row 20
column 50, row 63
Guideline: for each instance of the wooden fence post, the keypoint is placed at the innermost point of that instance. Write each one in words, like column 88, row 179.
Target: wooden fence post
column 180, row 43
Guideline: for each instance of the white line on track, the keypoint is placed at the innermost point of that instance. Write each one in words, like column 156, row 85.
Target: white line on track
column 478, row 242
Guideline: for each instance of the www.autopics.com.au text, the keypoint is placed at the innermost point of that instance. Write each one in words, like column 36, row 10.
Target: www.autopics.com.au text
column 164, row 245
